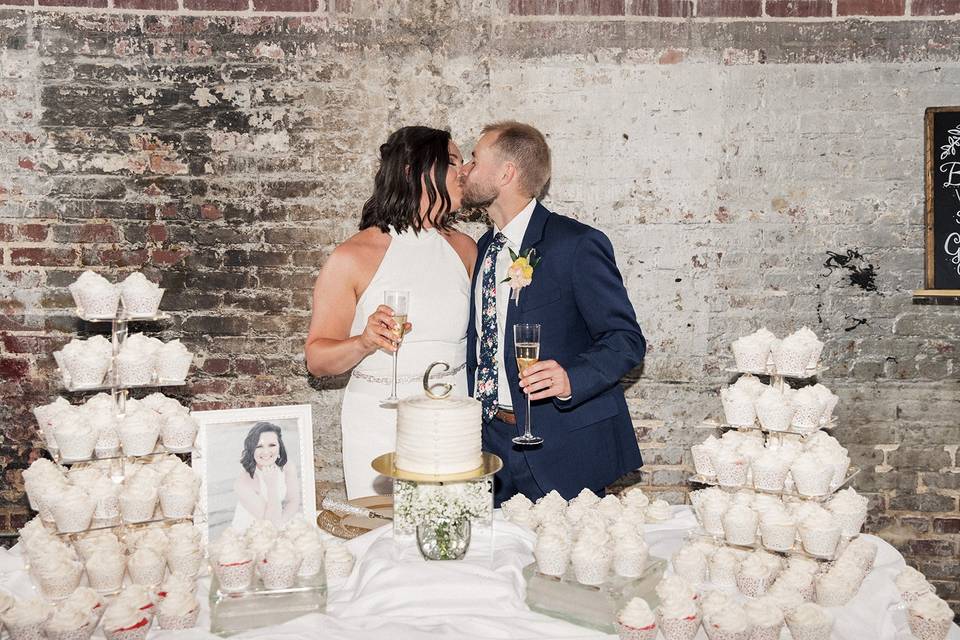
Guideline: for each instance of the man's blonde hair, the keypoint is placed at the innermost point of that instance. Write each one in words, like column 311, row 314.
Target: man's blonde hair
column 526, row 147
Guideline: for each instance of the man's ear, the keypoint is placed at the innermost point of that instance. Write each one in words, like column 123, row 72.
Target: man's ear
column 509, row 174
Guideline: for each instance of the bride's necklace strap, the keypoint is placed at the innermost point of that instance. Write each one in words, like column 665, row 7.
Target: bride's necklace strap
column 406, row 379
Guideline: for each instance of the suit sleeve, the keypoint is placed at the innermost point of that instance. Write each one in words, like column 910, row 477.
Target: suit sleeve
column 618, row 344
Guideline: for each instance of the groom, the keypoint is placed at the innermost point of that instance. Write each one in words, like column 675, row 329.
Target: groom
column 589, row 337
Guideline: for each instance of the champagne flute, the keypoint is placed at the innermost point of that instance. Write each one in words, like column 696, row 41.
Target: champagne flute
column 526, row 341
column 399, row 301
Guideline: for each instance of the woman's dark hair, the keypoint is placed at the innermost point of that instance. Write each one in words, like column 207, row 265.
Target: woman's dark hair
column 405, row 160
column 253, row 439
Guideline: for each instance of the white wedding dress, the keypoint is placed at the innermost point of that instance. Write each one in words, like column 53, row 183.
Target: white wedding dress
column 243, row 518
column 428, row 267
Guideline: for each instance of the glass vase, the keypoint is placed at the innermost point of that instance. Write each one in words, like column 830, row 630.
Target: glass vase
column 444, row 540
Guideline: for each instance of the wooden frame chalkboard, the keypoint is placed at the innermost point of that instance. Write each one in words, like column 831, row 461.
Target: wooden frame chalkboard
column 942, row 208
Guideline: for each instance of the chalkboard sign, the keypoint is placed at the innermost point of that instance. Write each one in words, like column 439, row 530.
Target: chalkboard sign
column 942, row 216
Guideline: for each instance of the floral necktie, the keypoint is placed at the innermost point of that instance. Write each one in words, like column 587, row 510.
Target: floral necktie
column 487, row 361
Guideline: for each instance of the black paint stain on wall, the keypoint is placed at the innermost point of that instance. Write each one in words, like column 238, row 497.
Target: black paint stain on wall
column 856, row 322
column 859, row 272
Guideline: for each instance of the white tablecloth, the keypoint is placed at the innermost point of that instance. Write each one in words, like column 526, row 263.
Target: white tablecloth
column 483, row 596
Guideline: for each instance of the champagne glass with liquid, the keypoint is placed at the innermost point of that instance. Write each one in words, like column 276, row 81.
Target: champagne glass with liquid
column 399, row 301
column 526, row 341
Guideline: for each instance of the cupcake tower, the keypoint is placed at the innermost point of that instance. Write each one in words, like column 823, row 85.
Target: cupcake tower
column 123, row 583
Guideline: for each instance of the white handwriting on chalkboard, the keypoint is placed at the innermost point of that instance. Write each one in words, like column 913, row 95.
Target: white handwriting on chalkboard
column 953, row 174
column 952, row 248
column 953, row 139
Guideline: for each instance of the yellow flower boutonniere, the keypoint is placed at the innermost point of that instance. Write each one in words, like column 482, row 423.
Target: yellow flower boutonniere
column 520, row 273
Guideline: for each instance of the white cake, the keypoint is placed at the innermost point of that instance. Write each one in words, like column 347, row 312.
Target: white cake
column 438, row 436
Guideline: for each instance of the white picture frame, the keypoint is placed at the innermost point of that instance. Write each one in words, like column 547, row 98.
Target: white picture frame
column 223, row 456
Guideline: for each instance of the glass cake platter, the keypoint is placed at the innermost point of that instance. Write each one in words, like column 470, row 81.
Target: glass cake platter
column 851, row 474
column 236, row 611
column 594, row 607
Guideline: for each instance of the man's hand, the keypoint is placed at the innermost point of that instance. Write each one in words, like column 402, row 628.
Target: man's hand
column 545, row 379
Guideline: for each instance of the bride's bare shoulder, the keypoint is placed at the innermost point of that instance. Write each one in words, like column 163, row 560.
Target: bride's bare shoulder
column 363, row 247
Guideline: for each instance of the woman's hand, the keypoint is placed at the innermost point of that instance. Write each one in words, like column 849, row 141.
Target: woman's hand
column 378, row 334
column 271, row 478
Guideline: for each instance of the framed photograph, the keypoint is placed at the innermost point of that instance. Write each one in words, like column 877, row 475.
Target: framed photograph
column 254, row 464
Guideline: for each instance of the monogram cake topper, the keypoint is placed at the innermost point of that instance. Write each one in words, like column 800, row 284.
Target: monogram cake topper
column 428, row 388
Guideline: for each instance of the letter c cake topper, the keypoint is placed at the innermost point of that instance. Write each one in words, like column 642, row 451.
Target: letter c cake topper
column 445, row 388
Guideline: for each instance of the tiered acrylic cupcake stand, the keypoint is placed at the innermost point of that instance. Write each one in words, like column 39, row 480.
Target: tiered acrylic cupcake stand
column 779, row 382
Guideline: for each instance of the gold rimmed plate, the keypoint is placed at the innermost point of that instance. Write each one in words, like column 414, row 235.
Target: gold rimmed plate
column 386, row 465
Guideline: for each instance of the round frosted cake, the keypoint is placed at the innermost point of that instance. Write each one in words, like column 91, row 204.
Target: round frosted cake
column 438, row 436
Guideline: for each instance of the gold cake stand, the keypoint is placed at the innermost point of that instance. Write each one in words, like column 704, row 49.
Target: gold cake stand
column 386, row 465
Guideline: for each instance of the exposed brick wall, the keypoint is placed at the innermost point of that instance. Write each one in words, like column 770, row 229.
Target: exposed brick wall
column 726, row 147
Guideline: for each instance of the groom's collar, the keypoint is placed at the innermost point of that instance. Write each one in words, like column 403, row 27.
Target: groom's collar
column 538, row 220
column 516, row 229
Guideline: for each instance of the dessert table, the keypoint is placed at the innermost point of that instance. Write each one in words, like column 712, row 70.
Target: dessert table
column 483, row 595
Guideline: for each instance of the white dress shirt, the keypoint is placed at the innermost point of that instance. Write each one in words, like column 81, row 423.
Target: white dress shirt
column 514, row 232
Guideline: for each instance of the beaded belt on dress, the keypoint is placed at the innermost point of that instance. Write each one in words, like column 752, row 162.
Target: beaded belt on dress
column 406, row 379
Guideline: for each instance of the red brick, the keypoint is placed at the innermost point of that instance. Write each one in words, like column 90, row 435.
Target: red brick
column 32, row 232
column 73, row 3
column 934, row 7
column 663, row 8
column 216, row 366
column 26, row 163
column 19, row 2
column 13, row 369
column 6, row 232
column 870, row 7
column 210, row 386
column 280, row 6
column 216, row 5
column 799, row 8
column 43, row 257
column 153, row 5
column 120, row 257
column 730, row 8
column 20, row 344
column 157, row 232
column 592, row 7
column 946, row 525
column 340, row 6
column 671, row 56
column 167, row 257
column 92, row 232
column 249, row 366
column 210, row 212
column 533, row 7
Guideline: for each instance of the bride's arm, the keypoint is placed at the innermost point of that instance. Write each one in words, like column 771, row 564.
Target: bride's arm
column 330, row 349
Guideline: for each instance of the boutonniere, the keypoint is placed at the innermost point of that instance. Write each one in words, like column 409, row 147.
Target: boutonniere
column 520, row 273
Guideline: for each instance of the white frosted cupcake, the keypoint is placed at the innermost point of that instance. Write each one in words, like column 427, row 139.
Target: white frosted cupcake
column 184, row 557
column 95, row 296
column 678, row 619
column 633, row 498
column 740, row 525
column 178, row 610
column 636, row 621
column 106, row 494
column 723, row 568
column 930, row 618
column 792, row 355
column 591, row 562
column 690, row 563
column 701, row 458
column 69, row 623
column 727, row 624
column 778, row 530
column 775, row 410
column 809, row 407
column 105, row 570
column 146, row 567
column 820, row 535
column 810, row 621
column 177, row 499
column 552, row 552
column 850, row 510
column 279, row 567
column 125, row 621
column 810, row 475
column 75, row 437
column 138, row 597
column 25, row 619
column 233, row 564
column 339, row 561
column 140, row 296
column 518, row 503
column 738, row 407
column 769, row 470
column 912, row 584
column 862, row 552
column 610, row 508
column 731, row 467
column 178, row 431
column 673, row 587
column 58, row 577
column 173, row 362
column 87, row 601
column 87, row 361
column 630, row 555
column 714, row 508
column 73, row 510
column 139, row 433
column 765, row 618
column 754, row 577
column 829, row 400
column 312, row 549
column 752, row 352
column 836, row 587
column 659, row 511
column 138, row 503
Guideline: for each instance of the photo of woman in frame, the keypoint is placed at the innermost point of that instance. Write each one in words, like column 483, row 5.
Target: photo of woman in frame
column 267, row 484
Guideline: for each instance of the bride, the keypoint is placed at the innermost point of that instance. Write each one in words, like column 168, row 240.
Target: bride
column 406, row 242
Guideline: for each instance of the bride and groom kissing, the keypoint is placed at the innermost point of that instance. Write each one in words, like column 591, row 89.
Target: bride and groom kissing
column 462, row 310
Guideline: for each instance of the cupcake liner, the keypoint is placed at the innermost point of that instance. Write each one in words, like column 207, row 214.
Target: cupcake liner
column 629, row 565
column 76, row 446
column 723, row 577
column 766, row 478
column 851, row 522
column 107, row 509
column 810, row 632
column 235, row 577
column 839, row 473
column 552, row 564
column 138, row 442
column 815, row 482
column 593, row 572
column 831, row 595
column 97, row 301
column 339, row 569
column 778, row 537
column 312, row 565
column 912, row 596
column 750, row 356
column 753, row 587
column 738, row 411
column 186, row 564
column 177, row 504
column 135, row 369
column 174, row 367
column 741, row 533
column 105, row 581
column 72, row 517
column 775, row 416
column 820, row 542
column 147, row 575
column 927, row 629
column 144, row 301
column 278, row 576
column 178, row 436
column 83, row 633
column 61, row 585
column 107, row 451
column 791, row 360
column 731, row 474
column 716, row 634
column 89, row 370
column 702, row 462
column 678, row 628
column 25, row 632
column 132, row 510
column 187, row 621
column 766, row 633
column 633, row 633
column 136, row 633
column 713, row 522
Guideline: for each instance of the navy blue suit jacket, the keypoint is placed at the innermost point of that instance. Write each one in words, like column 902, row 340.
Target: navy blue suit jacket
column 590, row 328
